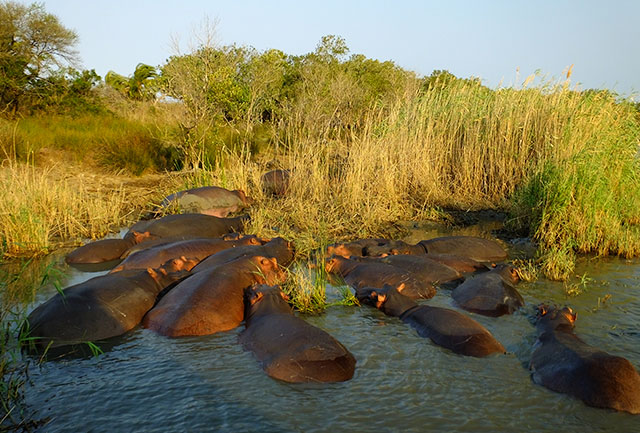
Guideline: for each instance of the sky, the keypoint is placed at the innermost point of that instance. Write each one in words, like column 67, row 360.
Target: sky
column 500, row 41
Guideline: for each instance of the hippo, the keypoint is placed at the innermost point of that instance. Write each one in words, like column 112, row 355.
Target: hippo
column 208, row 200
column 275, row 182
column 464, row 265
column 361, row 274
column 423, row 266
column 289, row 348
column 277, row 248
column 477, row 249
column 171, row 239
column 105, row 250
column 490, row 293
column 189, row 226
column 102, row 307
column 197, row 249
column 564, row 363
column 211, row 301
column 355, row 248
column 447, row 328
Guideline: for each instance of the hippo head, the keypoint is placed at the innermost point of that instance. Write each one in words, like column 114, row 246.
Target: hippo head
column 268, row 271
column 341, row 250
column 388, row 299
column 334, row 264
column 243, row 197
column 508, row 273
column 554, row 318
column 265, row 299
column 181, row 264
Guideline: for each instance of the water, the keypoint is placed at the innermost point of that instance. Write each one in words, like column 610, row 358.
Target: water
column 145, row 382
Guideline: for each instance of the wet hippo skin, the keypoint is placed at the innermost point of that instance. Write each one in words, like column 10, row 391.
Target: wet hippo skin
column 287, row 347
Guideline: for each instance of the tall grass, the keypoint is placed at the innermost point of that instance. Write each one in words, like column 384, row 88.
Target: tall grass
column 562, row 161
column 41, row 209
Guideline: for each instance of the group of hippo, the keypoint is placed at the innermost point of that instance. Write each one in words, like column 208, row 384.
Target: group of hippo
column 196, row 274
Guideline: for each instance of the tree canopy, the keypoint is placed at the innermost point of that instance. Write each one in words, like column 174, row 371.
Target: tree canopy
column 33, row 43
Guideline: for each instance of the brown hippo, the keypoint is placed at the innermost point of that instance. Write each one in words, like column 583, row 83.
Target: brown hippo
column 289, row 348
column 372, row 274
column 277, row 248
column 427, row 269
column 211, row 301
column 355, row 248
column 275, row 182
column 478, row 249
column 197, row 249
column 209, row 200
column 189, row 226
column 445, row 327
column 105, row 250
column 564, row 363
column 490, row 293
column 461, row 264
column 102, row 307
column 171, row 239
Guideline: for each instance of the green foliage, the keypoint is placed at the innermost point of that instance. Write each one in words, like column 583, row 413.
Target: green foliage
column 32, row 44
column 586, row 199
column 66, row 91
column 139, row 86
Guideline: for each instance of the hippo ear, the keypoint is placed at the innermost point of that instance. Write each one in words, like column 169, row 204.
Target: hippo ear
column 284, row 296
column 542, row 310
column 374, row 295
column 401, row 287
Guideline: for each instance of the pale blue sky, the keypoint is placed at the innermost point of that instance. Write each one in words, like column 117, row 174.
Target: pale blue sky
column 488, row 39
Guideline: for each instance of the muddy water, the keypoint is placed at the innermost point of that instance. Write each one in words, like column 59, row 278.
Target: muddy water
column 145, row 382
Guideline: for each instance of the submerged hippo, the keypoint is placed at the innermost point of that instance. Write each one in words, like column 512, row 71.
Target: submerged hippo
column 480, row 249
column 171, row 239
column 564, row 363
column 275, row 182
column 490, row 293
column 445, row 327
column 209, row 200
column 189, row 226
column 277, row 248
column 105, row 250
column 102, row 307
column 211, row 301
column 355, row 248
column 197, row 249
column 289, row 348
column 477, row 249
column 423, row 266
column 371, row 274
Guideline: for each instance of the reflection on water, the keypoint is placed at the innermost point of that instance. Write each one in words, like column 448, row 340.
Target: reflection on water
column 402, row 383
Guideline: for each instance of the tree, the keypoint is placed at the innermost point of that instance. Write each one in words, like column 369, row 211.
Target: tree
column 139, row 86
column 32, row 44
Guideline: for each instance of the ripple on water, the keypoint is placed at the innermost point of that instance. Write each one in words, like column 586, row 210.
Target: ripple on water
column 402, row 382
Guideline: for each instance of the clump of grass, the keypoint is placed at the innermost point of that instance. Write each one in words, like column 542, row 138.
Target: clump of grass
column 527, row 269
column 306, row 291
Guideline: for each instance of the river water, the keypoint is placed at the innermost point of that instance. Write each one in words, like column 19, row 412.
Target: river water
column 145, row 382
